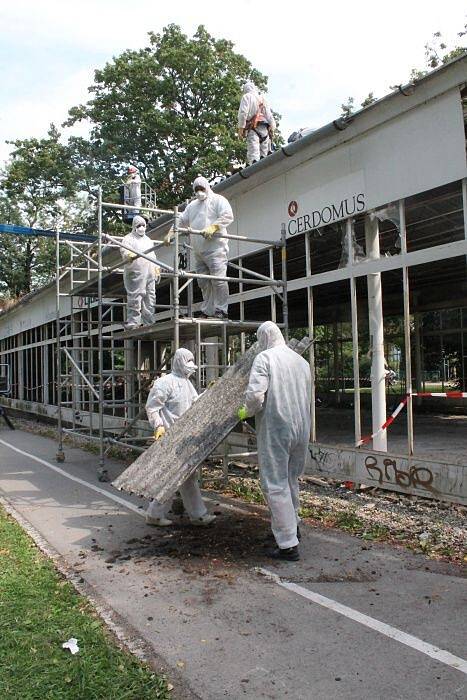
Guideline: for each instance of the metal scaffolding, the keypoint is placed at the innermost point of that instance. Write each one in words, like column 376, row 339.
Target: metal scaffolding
column 104, row 371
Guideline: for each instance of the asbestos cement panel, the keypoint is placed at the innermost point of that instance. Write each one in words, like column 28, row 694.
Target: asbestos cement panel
column 167, row 463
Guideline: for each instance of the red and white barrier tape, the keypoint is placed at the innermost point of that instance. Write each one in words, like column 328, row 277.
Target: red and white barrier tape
column 444, row 395
column 386, row 424
column 421, row 394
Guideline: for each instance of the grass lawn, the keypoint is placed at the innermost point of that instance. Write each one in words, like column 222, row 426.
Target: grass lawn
column 39, row 610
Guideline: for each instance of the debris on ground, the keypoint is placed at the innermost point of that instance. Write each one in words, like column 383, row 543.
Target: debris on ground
column 214, row 552
column 436, row 528
column 369, row 513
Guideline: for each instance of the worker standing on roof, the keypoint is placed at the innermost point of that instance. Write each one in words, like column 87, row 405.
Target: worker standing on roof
column 132, row 191
column 256, row 123
column 279, row 395
column 168, row 399
column 210, row 213
column 139, row 275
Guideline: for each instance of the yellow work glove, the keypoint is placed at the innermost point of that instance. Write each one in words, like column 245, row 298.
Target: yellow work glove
column 157, row 272
column 168, row 236
column 209, row 231
column 242, row 413
column 159, row 432
column 131, row 256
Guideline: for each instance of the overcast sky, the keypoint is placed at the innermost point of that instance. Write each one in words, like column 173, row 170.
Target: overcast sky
column 315, row 57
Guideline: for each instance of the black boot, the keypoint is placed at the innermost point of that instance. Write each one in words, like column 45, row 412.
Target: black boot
column 289, row 554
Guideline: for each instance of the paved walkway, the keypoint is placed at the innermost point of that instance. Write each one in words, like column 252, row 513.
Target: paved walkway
column 351, row 620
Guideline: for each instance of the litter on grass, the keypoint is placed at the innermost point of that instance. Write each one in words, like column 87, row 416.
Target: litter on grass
column 72, row 645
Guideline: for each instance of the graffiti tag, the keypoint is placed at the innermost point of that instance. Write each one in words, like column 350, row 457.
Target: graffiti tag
column 414, row 477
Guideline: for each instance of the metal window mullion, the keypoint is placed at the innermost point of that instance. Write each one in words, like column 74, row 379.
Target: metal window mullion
column 355, row 352
column 285, row 304
column 407, row 346
column 311, row 330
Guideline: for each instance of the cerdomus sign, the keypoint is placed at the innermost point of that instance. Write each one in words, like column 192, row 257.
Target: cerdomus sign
column 324, row 215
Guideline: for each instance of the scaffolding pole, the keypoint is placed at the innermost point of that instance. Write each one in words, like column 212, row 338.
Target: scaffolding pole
column 60, row 456
column 82, row 343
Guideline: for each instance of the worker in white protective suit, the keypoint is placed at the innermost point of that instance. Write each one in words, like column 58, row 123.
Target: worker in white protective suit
column 256, row 123
column 169, row 398
column 132, row 190
column 210, row 213
column 140, row 275
column 279, row 395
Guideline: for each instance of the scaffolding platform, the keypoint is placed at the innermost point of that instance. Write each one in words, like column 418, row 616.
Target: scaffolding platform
column 190, row 329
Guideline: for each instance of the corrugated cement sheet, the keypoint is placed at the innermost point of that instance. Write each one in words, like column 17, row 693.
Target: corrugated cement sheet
column 166, row 464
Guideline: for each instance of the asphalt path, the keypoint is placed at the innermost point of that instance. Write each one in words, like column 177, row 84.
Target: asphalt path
column 352, row 619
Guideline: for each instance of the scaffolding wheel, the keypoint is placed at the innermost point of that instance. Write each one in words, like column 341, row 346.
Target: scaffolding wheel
column 103, row 474
column 60, row 456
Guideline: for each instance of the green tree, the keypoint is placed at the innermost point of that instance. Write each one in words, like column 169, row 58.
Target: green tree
column 37, row 189
column 170, row 109
column 38, row 176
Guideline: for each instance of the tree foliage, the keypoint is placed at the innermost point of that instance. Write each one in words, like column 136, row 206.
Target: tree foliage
column 38, row 176
column 169, row 108
column 37, row 189
column 437, row 53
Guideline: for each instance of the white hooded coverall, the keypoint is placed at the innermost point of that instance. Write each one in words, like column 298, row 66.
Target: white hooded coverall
column 258, row 140
column 279, row 395
column 210, row 254
column 169, row 398
column 139, row 276
column 133, row 192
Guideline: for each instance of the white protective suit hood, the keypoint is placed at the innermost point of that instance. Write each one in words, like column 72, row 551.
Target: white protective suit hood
column 201, row 181
column 183, row 363
column 269, row 336
column 172, row 394
column 138, row 221
column 249, row 86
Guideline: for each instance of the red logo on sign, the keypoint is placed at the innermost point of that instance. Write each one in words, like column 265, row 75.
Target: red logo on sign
column 293, row 208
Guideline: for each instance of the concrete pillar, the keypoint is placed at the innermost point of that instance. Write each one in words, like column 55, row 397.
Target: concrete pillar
column 375, row 314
